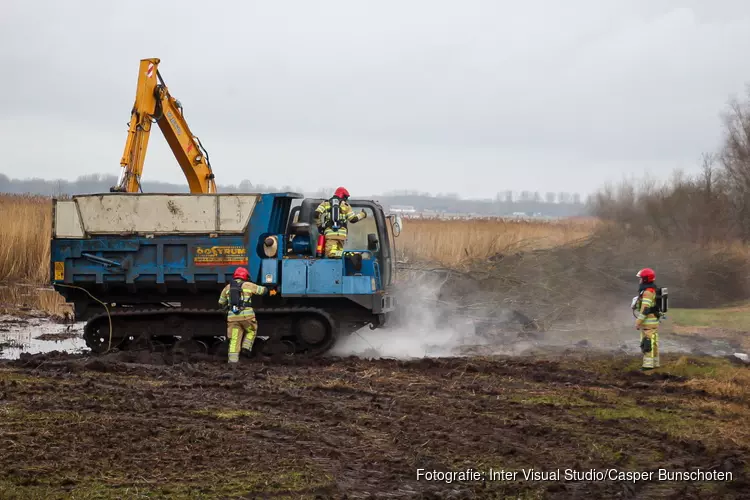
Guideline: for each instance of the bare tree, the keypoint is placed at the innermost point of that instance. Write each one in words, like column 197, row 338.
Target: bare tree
column 735, row 158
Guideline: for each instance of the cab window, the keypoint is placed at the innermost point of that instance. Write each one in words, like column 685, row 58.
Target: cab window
column 357, row 232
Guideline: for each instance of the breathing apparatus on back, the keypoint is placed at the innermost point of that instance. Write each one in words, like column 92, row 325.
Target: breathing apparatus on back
column 236, row 304
column 235, row 296
column 661, row 300
column 335, row 213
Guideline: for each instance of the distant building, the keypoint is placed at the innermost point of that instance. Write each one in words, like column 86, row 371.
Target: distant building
column 402, row 209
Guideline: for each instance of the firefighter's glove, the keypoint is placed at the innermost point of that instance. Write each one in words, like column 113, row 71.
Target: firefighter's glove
column 645, row 345
column 272, row 292
column 363, row 215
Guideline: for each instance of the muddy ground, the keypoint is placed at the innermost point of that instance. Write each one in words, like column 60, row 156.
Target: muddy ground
column 127, row 424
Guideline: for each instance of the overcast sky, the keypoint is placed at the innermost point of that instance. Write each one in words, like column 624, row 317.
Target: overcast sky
column 378, row 95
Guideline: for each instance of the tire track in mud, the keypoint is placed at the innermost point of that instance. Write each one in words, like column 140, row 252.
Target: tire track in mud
column 348, row 426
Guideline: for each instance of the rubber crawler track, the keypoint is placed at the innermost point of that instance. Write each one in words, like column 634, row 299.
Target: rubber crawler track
column 282, row 318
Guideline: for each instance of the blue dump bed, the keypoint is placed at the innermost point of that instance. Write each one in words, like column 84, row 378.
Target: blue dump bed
column 146, row 242
column 147, row 252
column 193, row 262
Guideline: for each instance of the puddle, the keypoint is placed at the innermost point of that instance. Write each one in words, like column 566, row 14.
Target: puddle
column 19, row 335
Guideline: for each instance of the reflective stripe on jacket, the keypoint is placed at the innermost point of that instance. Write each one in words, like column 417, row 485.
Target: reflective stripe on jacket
column 646, row 302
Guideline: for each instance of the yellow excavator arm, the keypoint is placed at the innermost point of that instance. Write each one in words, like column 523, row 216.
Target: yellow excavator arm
column 153, row 103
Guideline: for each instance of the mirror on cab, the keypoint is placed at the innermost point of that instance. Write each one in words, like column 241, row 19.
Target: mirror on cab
column 372, row 242
column 396, row 223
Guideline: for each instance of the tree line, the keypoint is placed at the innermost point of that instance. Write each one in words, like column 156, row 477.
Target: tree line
column 507, row 203
column 708, row 207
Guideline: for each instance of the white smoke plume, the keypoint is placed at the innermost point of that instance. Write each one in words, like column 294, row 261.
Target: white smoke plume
column 425, row 327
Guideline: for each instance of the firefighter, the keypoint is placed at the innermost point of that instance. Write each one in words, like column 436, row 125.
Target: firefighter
column 647, row 318
column 241, row 321
column 335, row 228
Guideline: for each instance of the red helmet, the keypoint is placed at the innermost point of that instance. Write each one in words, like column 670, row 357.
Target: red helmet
column 241, row 273
column 341, row 193
column 647, row 275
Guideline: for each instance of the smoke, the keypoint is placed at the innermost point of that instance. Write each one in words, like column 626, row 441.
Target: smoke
column 424, row 326
column 430, row 325
column 441, row 315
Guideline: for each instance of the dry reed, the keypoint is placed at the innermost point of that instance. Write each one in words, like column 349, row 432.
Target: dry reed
column 454, row 243
column 16, row 298
column 25, row 229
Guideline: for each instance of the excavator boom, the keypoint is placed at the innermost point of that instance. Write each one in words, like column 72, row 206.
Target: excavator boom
column 153, row 103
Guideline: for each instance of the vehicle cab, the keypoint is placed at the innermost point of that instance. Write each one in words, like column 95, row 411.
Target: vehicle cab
column 368, row 264
column 372, row 237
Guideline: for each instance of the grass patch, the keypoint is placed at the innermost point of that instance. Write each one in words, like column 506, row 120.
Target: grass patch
column 716, row 376
column 610, row 455
column 706, row 367
column 701, row 417
column 692, row 367
column 12, row 376
column 134, row 380
column 227, row 414
column 677, row 422
column 601, row 395
column 689, row 420
column 246, row 482
column 552, row 399
column 736, row 317
column 13, row 417
column 627, row 412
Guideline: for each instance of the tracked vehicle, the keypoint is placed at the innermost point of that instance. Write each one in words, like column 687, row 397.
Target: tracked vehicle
column 146, row 270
